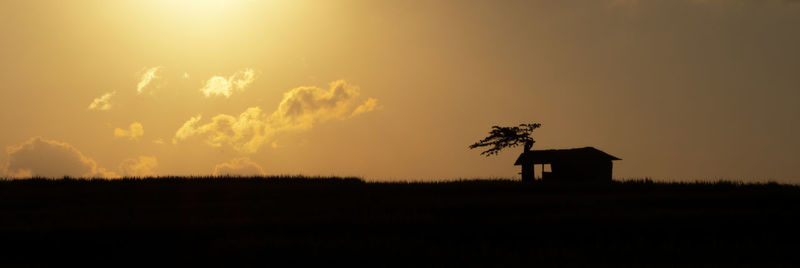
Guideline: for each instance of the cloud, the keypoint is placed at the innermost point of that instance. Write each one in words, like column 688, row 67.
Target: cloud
column 102, row 103
column 239, row 167
column 370, row 105
column 49, row 158
column 148, row 76
column 243, row 78
column 245, row 133
column 218, row 85
column 304, row 106
column 141, row 167
column 299, row 109
column 187, row 130
column 134, row 131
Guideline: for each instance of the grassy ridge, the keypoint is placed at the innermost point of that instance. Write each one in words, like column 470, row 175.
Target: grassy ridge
column 477, row 222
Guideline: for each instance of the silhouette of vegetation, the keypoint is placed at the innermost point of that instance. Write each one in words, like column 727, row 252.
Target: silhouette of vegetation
column 299, row 221
column 506, row 137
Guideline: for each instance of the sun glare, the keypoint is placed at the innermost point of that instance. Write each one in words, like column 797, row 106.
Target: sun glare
column 201, row 9
column 199, row 5
column 202, row 16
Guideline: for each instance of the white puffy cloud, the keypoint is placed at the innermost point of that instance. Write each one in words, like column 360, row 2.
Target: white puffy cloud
column 48, row 158
column 102, row 103
column 134, row 131
column 243, row 78
column 148, row 76
column 300, row 109
column 138, row 167
column 216, row 86
column 239, row 167
column 226, row 86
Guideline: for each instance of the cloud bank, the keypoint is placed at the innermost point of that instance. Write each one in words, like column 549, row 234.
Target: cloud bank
column 147, row 77
column 138, row 167
column 299, row 109
column 239, row 167
column 134, row 131
column 102, row 103
column 226, row 86
column 48, row 158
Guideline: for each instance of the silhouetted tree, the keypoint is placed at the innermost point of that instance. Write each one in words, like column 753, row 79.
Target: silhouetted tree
column 505, row 137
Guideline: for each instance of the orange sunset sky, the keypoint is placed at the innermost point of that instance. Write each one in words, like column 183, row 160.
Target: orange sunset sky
column 397, row 90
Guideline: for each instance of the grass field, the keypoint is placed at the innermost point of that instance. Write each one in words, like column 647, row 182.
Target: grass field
column 295, row 220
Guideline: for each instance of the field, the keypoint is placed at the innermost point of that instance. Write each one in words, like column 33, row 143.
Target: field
column 346, row 221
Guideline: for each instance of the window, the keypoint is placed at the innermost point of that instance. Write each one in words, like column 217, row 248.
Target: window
column 539, row 169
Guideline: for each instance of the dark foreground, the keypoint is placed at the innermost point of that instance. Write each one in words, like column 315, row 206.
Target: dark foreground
column 169, row 221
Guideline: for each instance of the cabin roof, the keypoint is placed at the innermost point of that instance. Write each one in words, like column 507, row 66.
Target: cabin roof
column 558, row 155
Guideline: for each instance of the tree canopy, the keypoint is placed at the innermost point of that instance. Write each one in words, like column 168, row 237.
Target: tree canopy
column 506, row 137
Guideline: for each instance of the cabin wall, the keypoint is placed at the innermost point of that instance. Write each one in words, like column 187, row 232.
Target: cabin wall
column 582, row 170
column 528, row 173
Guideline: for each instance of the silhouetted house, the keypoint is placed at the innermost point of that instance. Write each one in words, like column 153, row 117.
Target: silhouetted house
column 580, row 164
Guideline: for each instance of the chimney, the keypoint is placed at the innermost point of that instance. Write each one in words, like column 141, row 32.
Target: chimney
column 528, row 145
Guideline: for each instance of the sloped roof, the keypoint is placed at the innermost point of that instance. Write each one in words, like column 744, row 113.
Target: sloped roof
column 556, row 155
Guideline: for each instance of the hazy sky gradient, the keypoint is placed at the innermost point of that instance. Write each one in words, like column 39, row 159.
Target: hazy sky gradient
column 679, row 89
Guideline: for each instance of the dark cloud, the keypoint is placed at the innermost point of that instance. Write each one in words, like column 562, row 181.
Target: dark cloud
column 239, row 167
column 49, row 158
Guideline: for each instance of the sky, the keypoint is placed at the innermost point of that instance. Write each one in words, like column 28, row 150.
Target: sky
column 681, row 90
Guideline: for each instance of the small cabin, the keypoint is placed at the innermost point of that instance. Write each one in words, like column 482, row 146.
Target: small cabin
column 577, row 165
